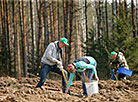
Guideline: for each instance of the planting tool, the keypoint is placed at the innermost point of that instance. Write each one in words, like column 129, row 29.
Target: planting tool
column 64, row 76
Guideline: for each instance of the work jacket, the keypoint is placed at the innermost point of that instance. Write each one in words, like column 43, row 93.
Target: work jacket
column 85, row 62
column 120, row 61
column 53, row 54
column 81, row 64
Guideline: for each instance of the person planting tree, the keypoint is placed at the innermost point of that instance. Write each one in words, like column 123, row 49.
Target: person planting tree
column 119, row 61
column 52, row 61
column 86, row 66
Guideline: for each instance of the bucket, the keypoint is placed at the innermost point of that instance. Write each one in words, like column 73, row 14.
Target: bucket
column 92, row 87
column 124, row 71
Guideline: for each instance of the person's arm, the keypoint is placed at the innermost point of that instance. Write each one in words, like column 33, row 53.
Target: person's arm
column 70, row 81
column 122, row 61
column 115, row 64
column 82, row 64
column 96, row 76
column 121, row 58
column 49, row 53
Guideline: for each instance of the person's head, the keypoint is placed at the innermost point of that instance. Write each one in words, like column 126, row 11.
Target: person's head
column 113, row 54
column 71, row 68
column 63, row 42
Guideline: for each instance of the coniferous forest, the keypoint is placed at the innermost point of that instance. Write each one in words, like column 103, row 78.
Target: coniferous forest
column 92, row 27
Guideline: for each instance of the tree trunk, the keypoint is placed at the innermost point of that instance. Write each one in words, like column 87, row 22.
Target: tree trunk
column 39, row 31
column 15, row 37
column 53, row 20
column 65, row 15
column 120, row 9
column 32, row 31
column 83, row 23
column 137, row 15
column 0, row 38
column 75, row 36
column 100, row 21
column 86, row 23
column 97, row 15
column 24, row 42
column 71, row 30
column 116, row 4
column 48, row 23
column 103, row 24
column 51, row 32
column 22, row 38
column 27, row 30
column 46, row 40
column 113, row 14
column 8, row 37
column 4, row 53
column 133, row 17
column 58, row 18
column 5, row 39
column 125, row 7
column 18, row 55
column 106, row 16
column 66, row 30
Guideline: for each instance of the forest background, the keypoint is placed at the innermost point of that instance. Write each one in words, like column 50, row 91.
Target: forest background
column 92, row 27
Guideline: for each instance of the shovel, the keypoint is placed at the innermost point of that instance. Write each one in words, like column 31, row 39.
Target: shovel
column 64, row 76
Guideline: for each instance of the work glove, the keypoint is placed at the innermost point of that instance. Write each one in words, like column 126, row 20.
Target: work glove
column 60, row 67
column 59, row 63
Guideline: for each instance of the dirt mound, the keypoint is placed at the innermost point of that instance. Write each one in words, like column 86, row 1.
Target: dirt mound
column 13, row 90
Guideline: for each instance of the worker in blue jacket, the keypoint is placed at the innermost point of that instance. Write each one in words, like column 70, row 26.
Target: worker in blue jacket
column 87, row 66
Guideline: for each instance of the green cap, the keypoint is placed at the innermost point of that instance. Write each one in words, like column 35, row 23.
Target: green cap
column 112, row 53
column 64, row 40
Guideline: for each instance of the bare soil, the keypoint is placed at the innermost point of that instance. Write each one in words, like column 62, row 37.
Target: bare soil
column 23, row 90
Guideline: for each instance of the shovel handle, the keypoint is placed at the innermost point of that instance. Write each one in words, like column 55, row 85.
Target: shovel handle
column 64, row 76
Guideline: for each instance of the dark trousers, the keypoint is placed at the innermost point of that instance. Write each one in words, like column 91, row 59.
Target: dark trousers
column 45, row 69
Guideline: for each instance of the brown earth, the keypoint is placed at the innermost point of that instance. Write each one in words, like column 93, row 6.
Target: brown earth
column 13, row 90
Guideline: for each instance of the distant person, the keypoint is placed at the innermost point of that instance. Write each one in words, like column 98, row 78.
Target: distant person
column 86, row 65
column 119, row 61
column 52, row 61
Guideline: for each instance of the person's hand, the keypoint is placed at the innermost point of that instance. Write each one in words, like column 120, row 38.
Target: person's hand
column 59, row 63
column 60, row 67
column 113, row 70
column 67, row 89
column 110, row 64
column 96, row 77
column 71, row 69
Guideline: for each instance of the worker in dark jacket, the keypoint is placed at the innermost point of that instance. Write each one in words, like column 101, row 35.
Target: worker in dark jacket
column 86, row 65
column 119, row 61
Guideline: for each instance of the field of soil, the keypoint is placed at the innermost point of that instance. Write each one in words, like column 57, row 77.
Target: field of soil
column 13, row 90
